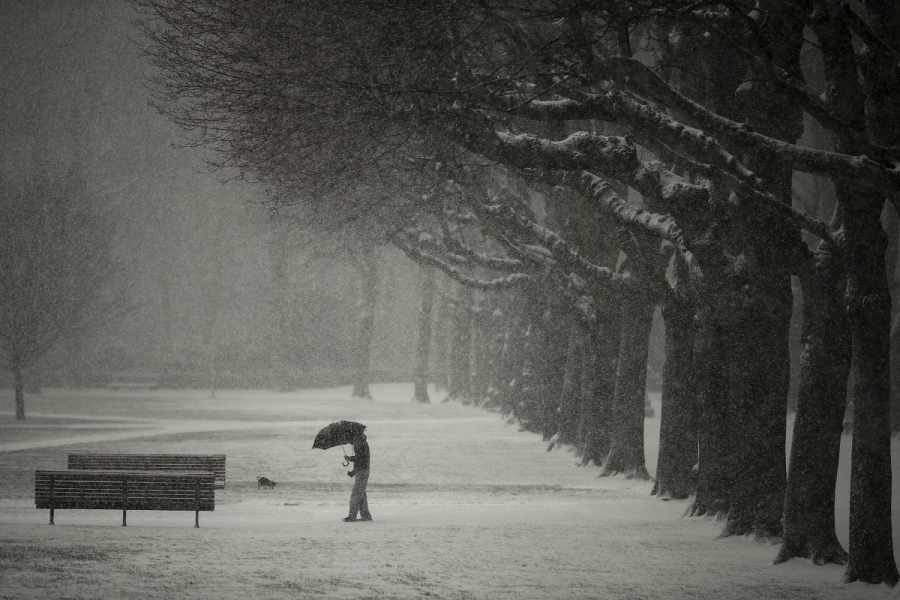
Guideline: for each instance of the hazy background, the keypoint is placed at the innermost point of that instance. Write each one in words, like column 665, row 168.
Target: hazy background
column 208, row 260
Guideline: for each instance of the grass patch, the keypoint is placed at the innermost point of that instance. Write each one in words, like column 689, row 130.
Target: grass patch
column 14, row 554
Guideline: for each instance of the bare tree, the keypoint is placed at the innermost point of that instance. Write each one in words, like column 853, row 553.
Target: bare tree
column 60, row 279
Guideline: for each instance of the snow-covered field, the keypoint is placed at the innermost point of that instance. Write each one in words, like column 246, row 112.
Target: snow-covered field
column 465, row 506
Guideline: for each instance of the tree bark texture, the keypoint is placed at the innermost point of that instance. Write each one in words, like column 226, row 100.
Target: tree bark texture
column 759, row 379
column 760, row 368
column 626, row 454
column 871, row 557
column 714, row 440
column 809, row 528
column 600, row 364
column 871, row 545
column 891, row 220
column 678, row 422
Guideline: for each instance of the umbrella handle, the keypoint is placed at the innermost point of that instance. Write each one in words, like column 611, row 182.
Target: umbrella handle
column 346, row 464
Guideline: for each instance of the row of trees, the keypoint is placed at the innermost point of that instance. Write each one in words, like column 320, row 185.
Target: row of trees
column 602, row 158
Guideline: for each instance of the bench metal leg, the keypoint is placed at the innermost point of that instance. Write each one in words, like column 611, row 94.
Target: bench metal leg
column 197, row 518
column 52, row 497
column 124, row 499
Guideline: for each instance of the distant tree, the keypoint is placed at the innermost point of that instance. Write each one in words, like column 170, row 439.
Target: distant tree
column 423, row 344
column 60, row 279
column 366, row 263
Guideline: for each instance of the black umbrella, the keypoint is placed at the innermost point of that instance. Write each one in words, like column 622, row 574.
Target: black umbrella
column 338, row 434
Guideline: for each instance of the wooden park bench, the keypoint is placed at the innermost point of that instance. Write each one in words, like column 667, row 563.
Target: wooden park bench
column 213, row 463
column 125, row 490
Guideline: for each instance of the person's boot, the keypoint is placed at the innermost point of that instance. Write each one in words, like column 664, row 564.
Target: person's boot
column 350, row 519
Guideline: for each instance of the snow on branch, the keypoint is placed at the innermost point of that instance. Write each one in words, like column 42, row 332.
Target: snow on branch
column 615, row 157
column 663, row 135
column 860, row 169
column 428, row 259
column 495, row 263
column 506, row 218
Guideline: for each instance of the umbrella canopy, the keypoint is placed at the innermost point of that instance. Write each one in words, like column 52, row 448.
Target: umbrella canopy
column 337, row 434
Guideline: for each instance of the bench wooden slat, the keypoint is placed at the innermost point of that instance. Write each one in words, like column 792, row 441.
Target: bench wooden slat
column 112, row 504
column 74, row 493
column 214, row 463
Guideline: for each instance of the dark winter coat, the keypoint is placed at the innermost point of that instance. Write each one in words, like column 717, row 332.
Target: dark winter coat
column 360, row 458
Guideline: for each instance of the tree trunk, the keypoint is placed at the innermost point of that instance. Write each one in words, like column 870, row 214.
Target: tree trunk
column 892, row 225
column 550, row 362
column 824, row 367
column 759, row 378
column 871, row 544
column 511, row 368
column 528, row 403
column 460, row 368
column 423, row 344
column 501, row 355
column 19, row 391
column 482, row 341
column 442, row 329
column 570, row 395
column 714, row 441
column 496, row 347
column 626, row 454
column 760, row 366
column 281, row 342
column 868, row 299
column 598, row 390
column 678, row 426
column 164, row 344
column 881, row 110
column 363, row 347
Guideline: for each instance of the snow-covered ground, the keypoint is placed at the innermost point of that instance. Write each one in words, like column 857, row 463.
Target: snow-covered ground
column 465, row 506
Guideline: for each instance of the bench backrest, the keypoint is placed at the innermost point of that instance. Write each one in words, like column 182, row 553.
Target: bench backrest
column 132, row 490
column 213, row 463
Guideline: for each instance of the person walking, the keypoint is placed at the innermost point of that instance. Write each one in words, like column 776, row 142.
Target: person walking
column 358, row 502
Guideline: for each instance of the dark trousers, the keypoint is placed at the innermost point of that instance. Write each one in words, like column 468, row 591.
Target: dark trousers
column 358, row 501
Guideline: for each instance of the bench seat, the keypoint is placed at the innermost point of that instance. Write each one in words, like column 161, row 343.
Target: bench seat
column 125, row 490
column 213, row 463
